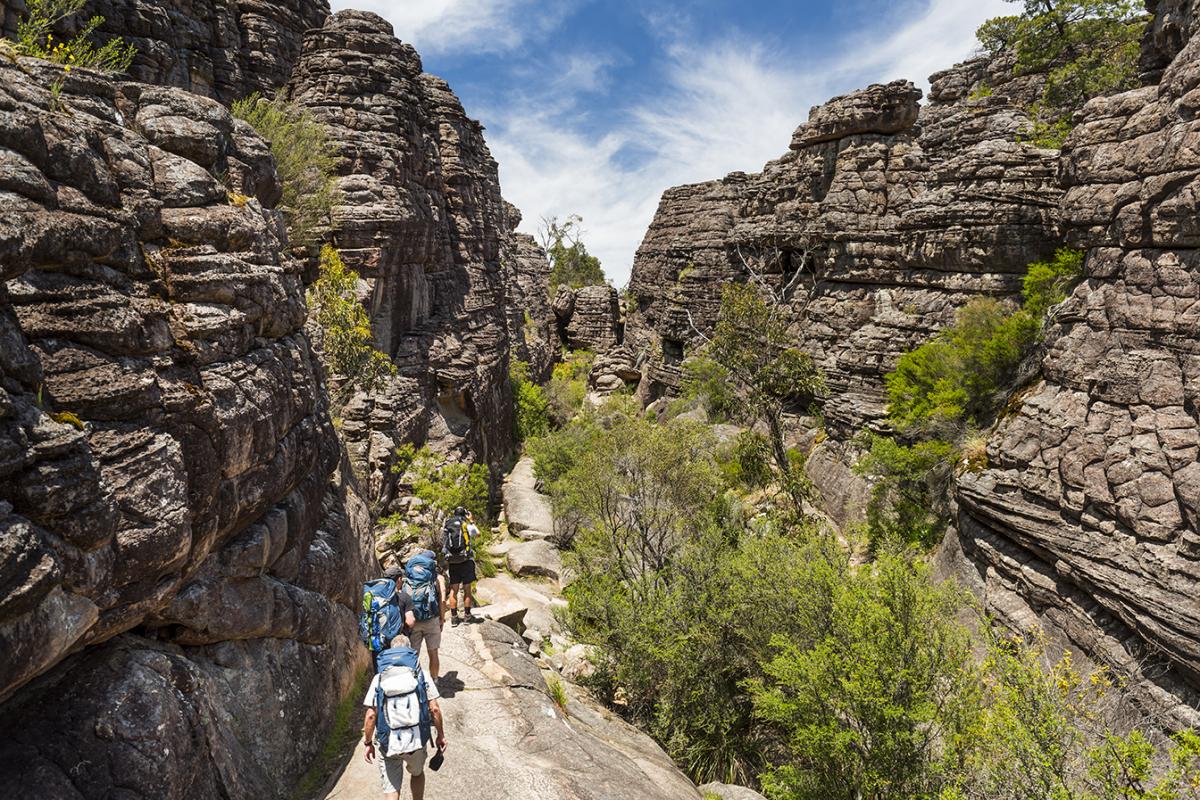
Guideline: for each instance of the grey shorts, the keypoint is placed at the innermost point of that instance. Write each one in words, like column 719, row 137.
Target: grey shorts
column 428, row 631
column 391, row 769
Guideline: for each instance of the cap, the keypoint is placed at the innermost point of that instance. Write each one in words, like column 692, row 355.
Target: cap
column 393, row 572
column 460, row 512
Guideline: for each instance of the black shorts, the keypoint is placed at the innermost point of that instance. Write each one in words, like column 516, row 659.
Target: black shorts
column 462, row 572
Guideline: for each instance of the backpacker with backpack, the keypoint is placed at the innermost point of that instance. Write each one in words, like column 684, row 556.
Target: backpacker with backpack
column 456, row 539
column 381, row 619
column 420, row 582
column 402, row 720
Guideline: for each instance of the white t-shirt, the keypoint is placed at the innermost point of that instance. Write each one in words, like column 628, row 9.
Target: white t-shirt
column 405, row 740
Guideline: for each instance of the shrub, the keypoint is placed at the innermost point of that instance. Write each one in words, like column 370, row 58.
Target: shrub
column 346, row 344
column 444, row 485
column 304, row 159
column 748, row 464
column 1047, row 283
column 707, row 383
column 910, row 483
column 35, row 37
column 873, row 701
column 570, row 263
column 568, row 386
column 1085, row 48
column 531, row 413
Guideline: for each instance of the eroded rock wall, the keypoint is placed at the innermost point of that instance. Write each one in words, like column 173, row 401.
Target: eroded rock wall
column 224, row 49
column 1087, row 517
column 182, row 544
column 422, row 221
column 885, row 217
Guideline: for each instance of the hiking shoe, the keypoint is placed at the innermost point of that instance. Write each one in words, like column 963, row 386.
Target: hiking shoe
column 454, row 620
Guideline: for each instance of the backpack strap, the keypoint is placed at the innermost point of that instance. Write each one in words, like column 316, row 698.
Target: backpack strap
column 381, row 727
column 423, row 699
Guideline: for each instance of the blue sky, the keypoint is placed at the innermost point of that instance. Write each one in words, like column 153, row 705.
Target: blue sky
column 596, row 106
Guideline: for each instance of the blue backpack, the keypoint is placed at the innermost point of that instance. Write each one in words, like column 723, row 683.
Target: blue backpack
column 401, row 697
column 420, row 582
column 380, row 620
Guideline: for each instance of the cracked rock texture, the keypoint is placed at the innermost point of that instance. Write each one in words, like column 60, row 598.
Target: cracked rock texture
column 224, row 49
column 180, row 550
column 422, row 221
column 889, row 216
column 1087, row 516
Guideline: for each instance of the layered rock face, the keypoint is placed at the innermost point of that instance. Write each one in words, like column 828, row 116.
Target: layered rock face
column 181, row 550
column 532, row 327
column 224, row 50
column 1087, row 517
column 883, row 219
column 589, row 318
column 422, row 221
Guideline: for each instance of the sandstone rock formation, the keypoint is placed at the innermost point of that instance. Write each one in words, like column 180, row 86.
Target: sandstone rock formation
column 181, row 545
column 589, row 318
column 1087, row 516
column 422, row 221
column 532, row 326
column 224, row 50
column 884, row 217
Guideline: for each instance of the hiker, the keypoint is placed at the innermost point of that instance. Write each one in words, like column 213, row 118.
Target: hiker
column 457, row 535
column 400, row 705
column 428, row 592
column 387, row 613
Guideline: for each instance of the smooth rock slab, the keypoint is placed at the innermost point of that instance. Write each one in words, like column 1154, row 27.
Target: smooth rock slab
column 535, row 559
column 528, row 512
column 727, row 791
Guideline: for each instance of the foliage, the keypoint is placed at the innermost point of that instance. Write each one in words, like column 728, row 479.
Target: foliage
column 444, row 485
column 1048, row 282
column 875, row 702
column 909, row 486
column 1085, row 48
column 346, row 344
column 706, row 382
column 568, row 386
column 957, row 379
column 532, row 409
column 304, row 159
column 751, row 343
column 558, row 694
column 570, row 263
column 748, row 464
column 35, row 37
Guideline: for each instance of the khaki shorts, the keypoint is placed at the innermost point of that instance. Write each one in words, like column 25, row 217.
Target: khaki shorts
column 428, row 631
column 391, row 769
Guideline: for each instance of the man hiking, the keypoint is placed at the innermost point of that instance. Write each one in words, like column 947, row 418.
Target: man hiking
column 387, row 613
column 457, row 535
column 428, row 592
column 401, row 706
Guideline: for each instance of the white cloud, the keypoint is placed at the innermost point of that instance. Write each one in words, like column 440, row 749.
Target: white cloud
column 725, row 106
column 440, row 26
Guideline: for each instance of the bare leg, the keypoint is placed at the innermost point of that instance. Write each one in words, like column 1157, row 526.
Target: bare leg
column 468, row 597
column 418, row 787
column 434, row 666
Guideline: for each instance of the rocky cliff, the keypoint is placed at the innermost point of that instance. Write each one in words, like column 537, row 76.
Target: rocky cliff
column 217, row 48
column 182, row 546
column 422, row 221
column 884, row 216
column 1087, row 517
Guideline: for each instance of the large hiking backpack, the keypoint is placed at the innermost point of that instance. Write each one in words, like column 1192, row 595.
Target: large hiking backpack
column 401, row 702
column 381, row 619
column 456, row 540
column 420, row 582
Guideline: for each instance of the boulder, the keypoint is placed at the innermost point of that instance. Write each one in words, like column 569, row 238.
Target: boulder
column 528, row 512
column 535, row 559
column 727, row 791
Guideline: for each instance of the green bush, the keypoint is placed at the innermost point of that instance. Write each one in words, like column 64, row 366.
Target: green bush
column 35, row 37
column 707, row 383
column 570, row 263
column 304, row 158
column 910, row 483
column 568, row 386
column 531, row 418
column 1084, row 48
column 346, row 345
column 1047, row 283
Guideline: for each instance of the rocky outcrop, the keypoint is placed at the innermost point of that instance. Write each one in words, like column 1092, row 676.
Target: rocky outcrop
column 224, row 50
column 1086, row 518
column 883, row 218
column 589, row 318
column 422, row 221
column 182, row 544
column 532, row 326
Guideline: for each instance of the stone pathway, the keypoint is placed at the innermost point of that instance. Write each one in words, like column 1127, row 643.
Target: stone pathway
column 506, row 737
